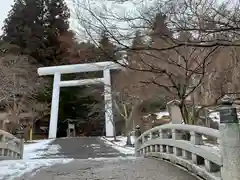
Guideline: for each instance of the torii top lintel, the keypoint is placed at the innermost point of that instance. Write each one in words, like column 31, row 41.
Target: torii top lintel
column 76, row 68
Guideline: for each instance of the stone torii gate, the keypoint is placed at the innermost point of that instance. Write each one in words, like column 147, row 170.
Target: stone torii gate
column 77, row 68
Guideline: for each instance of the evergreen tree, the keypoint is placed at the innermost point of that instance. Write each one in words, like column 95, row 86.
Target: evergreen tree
column 106, row 50
column 39, row 28
column 56, row 24
column 57, row 16
column 75, row 106
column 75, row 103
column 159, row 27
column 35, row 25
column 24, row 26
column 134, row 55
column 160, row 35
column 137, row 41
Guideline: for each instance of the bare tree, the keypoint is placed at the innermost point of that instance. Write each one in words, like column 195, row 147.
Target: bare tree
column 187, row 36
column 221, row 77
column 129, row 96
column 19, row 83
column 206, row 19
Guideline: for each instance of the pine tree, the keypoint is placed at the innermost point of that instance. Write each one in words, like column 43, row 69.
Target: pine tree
column 58, row 15
column 137, row 41
column 160, row 28
column 35, row 25
column 24, row 27
column 161, row 36
column 106, row 50
column 41, row 29
column 56, row 24
column 134, row 54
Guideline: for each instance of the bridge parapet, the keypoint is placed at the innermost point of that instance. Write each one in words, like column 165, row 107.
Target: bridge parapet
column 10, row 146
column 184, row 145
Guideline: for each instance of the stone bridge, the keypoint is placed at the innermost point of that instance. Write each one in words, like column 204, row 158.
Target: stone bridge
column 167, row 152
column 10, row 147
column 94, row 159
column 193, row 148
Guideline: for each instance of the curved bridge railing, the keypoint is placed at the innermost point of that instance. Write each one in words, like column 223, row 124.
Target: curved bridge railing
column 188, row 146
column 10, row 146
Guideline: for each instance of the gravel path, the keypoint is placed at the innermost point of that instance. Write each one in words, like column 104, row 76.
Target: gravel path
column 112, row 169
column 84, row 148
column 94, row 160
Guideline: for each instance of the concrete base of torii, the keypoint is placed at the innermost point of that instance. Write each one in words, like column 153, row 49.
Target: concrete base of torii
column 90, row 67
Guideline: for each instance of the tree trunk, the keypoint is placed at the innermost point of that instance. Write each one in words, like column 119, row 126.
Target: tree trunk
column 187, row 117
column 134, row 117
column 184, row 112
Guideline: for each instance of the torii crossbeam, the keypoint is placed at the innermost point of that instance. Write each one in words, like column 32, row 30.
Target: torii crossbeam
column 77, row 68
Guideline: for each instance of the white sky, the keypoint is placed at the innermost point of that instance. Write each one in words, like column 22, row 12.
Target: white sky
column 4, row 9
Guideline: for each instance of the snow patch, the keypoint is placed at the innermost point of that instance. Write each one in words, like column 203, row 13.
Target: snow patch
column 216, row 147
column 40, row 149
column 161, row 114
column 215, row 116
column 17, row 168
column 113, row 158
column 121, row 140
column 119, row 145
column 31, row 161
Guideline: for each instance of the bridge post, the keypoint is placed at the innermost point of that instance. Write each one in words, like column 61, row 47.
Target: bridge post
column 229, row 141
column 20, row 136
column 137, row 135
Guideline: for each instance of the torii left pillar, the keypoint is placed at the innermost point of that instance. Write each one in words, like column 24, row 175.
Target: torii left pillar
column 78, row 68
column 52, row 133
column 109, row 122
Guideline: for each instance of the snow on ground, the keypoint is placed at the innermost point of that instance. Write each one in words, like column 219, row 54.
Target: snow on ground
column 216, row 147
column 31, row 161
column 17, row 168
column 120, row 144
column 161, row 114
column 122, row 140
column 38, row 149
column 112, row 158
column 215, row 116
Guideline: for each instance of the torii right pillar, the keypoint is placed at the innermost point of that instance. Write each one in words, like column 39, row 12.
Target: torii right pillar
column 109, row 121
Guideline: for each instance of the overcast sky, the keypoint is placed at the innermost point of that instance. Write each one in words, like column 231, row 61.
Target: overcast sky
column 4, row 9
column 6, row 6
